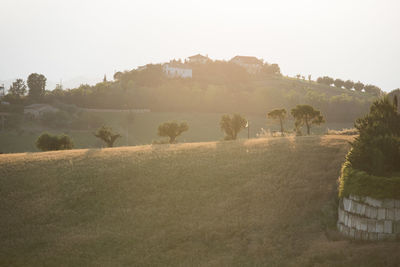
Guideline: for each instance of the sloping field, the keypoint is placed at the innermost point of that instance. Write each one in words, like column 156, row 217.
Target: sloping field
column 261, row 202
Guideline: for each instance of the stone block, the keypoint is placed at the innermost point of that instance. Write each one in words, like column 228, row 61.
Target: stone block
column 353, row 221
column 397, row 214
column 364, row 224
column 349, row 222
column 388, row 203
column 381, row 214
column 373, row 202
column 346, row 204
column 371, row 212
column 387, row 227
column 397, row 203
column 371, row 226
column 346, row 218
column 362, row 209
column 379, row 226
column 359, row 208
column 353, row 206
column 390, row 214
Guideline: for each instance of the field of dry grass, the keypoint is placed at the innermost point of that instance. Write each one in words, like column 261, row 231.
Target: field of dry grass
column 260, row 202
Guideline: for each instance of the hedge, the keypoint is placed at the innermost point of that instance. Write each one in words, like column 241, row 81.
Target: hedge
column 360, row 183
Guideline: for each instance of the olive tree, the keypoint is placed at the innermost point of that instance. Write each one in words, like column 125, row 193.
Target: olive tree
column 172, row 130
column 278, row 114
column 232, row 125
column 306, row 115
column 106, row 134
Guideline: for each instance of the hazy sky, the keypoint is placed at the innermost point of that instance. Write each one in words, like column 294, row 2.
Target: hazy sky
column 348, row 39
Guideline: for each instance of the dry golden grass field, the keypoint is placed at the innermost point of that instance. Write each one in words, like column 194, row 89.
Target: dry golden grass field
column 259, row 202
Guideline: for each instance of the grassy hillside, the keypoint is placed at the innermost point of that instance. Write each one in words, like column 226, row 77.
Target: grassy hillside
column 264, row 202
column 143, row 130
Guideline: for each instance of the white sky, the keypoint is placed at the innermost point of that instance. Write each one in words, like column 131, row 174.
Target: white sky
column 348, row 39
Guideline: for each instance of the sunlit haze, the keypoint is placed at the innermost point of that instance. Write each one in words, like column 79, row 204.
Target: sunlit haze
column 356, row 40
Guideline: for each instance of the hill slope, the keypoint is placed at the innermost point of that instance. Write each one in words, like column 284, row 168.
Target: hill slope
column 256, row 202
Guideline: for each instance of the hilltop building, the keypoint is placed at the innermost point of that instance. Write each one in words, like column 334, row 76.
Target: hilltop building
column 251, row 64
column 177, row 70
column 198, row 59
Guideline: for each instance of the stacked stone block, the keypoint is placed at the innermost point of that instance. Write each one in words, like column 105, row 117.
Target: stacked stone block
column 365, row 218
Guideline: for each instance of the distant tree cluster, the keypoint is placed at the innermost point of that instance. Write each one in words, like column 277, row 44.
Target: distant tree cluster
column 302, row 114
column 358, row 86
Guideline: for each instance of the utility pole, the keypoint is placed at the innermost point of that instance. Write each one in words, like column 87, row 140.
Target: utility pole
column 248, row 129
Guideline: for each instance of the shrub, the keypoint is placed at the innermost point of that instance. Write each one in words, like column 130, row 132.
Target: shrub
column 232, row 125
column 106, row 134
column 47, row 142
column 172, row 130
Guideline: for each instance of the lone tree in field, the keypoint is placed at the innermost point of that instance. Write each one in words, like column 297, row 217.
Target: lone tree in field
column 232, row 125
column 306, row 115
column 278, row 114
column 172, row 130
column 106, row 134
column 37, row 84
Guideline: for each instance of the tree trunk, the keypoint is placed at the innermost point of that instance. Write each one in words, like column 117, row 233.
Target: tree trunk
column 280, row 120
column 308, row 126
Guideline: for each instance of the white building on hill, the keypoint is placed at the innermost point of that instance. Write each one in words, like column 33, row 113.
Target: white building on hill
column 174, row 70
column 251, row 64
column 198, row 59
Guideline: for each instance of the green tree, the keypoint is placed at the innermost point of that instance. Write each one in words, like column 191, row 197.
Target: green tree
column 48, row 142
column 306, row 115
column 278, row 114
column 377, row 148
column 348, row 84
column 37, row 84
column 338, row 83
column 172, row 130
column 372, row 89
column 18, row 88
column 358, row 86
column 232, row 125
column 325, row 80
column 106, row 134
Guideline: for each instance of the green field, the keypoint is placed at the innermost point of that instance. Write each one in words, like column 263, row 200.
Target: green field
column 258, row 202
column 202, row 127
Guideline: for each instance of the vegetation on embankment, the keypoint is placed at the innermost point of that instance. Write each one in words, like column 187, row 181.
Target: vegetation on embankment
column 372, row 165
column 360, row 183
column 267, row 202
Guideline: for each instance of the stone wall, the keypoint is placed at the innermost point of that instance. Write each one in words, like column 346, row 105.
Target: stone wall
column 365, row 218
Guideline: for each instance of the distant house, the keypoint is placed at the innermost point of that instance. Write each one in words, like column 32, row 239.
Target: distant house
column 177, row 70
column 36, row 110
column 198, row 59
column 251, row 64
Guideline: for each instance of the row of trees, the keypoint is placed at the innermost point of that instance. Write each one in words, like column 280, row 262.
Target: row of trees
column 231, row 125
column 358, row 86
column 302, row 114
